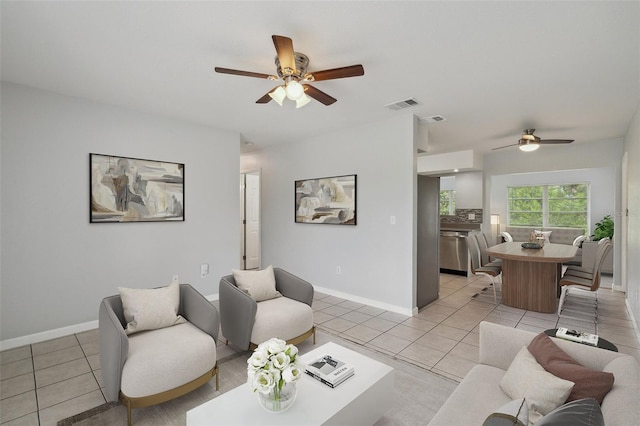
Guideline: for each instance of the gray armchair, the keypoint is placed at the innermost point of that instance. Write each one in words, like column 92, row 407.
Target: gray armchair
column 247, row 323
column 152, row 367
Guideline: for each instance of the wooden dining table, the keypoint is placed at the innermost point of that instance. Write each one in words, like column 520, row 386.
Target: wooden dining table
column 530, row 276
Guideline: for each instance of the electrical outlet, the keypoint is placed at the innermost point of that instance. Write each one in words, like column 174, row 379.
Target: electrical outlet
column 472, row 216
column 338, row 270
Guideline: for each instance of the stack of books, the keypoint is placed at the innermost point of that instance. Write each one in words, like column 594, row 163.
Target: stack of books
column 329, row 370
column 577, row 336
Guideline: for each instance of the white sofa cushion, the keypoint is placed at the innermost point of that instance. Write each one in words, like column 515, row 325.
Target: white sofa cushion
column 527, row 379
column 150, row 308
column 618, row 406
column 281, row 317
column 166, row 358
column 474, row 399
column 260, row 285
column 543, row 234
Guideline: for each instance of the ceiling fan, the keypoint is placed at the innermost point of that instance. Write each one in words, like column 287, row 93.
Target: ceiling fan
column 291, row 69
column 530, row 142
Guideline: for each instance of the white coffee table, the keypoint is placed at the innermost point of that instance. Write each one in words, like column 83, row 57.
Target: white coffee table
column 360, row 400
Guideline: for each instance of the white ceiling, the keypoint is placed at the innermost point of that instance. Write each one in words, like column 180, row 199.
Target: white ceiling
column 569, row 69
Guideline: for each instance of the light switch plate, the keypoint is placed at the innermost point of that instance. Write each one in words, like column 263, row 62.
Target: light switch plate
column 204, row 270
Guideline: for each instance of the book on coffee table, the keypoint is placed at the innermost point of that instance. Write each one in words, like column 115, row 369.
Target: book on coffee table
column 329, row 370
column 577, row 336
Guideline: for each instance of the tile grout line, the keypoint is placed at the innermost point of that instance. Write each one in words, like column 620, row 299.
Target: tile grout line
column 35, row 384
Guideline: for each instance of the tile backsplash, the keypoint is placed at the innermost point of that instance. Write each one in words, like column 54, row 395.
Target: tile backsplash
column 462, row 216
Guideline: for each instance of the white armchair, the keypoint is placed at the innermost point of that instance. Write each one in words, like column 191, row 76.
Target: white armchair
column 151, row 367
column 246, row 322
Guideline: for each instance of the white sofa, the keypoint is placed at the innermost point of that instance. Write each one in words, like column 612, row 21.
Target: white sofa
column 479, row 394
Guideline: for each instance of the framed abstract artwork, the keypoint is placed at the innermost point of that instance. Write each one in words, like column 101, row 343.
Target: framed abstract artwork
column 126, row 189
column 329, row 200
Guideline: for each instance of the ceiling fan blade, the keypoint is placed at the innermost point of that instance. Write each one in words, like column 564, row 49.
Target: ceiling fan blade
column 318, row 95
column 284, row 49
column 555, row 141
column 265, row 99
column 506, row 146
column 343, row 72
column 243, row 73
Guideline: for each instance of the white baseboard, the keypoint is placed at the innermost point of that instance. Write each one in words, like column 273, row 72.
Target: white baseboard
column 91, row 325
column 365, row 301
column 47, row 335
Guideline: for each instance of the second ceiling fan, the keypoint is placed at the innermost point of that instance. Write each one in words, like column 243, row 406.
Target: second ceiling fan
column 291, row 69
column 530, row 142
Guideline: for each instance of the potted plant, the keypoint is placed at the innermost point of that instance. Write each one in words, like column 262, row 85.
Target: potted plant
column 604, row 229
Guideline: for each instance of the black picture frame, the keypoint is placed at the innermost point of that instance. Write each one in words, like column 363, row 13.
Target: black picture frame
column 128, row 189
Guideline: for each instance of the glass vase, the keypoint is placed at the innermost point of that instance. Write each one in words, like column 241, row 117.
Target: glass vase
column 278, row 400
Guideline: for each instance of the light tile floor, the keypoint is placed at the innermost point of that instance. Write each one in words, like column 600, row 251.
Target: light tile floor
column 49, row 381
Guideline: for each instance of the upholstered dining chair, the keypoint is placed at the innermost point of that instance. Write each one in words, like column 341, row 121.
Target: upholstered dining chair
column 581, row 281
column 490, row 271
column 483, row 245
column 258, row 305
column 150, row 359
column 586, row 271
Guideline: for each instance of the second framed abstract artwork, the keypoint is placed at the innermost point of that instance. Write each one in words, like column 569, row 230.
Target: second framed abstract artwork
column 329, row 200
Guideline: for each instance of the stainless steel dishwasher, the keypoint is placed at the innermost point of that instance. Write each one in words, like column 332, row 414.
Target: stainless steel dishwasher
column 453, row 252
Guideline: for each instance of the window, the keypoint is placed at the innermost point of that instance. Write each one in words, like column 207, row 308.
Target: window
column 447, row 202
column 561, row 206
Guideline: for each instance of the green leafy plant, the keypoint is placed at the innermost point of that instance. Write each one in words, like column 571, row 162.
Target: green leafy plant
column 604, row 229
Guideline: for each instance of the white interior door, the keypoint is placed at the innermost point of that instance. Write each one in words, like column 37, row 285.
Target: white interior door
column 252, row 221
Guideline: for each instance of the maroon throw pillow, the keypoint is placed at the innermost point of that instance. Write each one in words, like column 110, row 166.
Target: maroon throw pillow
column 588, row 383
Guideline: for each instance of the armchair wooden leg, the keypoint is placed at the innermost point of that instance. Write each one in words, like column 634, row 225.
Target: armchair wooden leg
column 128, row 413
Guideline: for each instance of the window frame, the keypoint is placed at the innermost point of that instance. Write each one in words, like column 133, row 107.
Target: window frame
column 451, row 196
column 545, row 203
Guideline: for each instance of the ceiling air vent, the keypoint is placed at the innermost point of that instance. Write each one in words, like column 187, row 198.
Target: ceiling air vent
column 407, row 103
column 434, row 119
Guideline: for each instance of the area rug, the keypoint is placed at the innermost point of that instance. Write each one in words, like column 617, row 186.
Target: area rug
column 417, row 393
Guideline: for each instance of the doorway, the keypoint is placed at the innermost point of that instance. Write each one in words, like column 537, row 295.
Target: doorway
column 250, row 220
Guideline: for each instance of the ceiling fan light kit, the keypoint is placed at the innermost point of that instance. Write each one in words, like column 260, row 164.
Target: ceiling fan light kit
column 291, row 68
column 278, row 94
column 529, row 142
column 294, row 90
column 527, row 145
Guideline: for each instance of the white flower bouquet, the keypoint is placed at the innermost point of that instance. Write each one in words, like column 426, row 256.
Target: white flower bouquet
column 272, row 365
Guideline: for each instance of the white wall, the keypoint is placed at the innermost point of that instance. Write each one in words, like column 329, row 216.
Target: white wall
column 469, row 190
column 56, row 266
column 632, row 148
column 376, row 257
